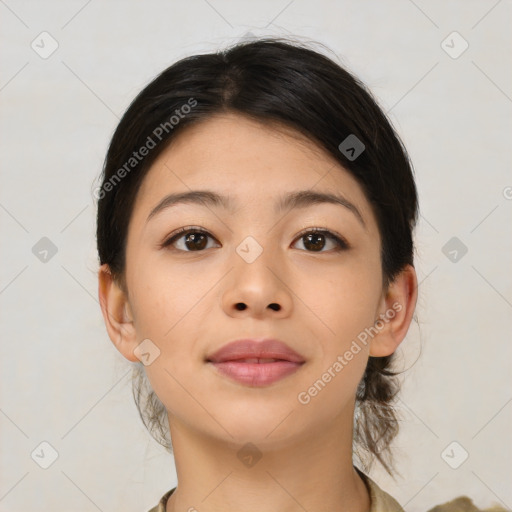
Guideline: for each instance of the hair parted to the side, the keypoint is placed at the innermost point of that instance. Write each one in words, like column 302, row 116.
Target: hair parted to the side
column 273, row 81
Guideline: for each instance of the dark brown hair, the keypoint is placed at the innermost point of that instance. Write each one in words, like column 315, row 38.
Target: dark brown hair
column 274, row 81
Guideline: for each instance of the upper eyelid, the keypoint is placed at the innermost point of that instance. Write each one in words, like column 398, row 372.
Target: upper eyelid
column 327, row 231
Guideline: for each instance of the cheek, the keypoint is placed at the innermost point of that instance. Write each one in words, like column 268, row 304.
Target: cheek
column 346, row 303
column 344, row 297
column 165, row 299
column 168, row 311
column 174, row 310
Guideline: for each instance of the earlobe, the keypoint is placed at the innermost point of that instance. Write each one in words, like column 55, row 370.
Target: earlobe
column 116, row 314
column 395, row 313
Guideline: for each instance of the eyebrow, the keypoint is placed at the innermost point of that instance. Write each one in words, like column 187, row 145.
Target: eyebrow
column 299, row 199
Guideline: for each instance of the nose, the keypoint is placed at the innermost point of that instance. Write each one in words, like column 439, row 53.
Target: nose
column 257, row 289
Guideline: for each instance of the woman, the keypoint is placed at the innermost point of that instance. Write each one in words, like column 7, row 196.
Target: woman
column 255, row 234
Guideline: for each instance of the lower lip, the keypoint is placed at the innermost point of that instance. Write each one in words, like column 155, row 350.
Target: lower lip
column 257, row 374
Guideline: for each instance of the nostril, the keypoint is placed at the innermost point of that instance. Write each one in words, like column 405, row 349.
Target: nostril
column 241, row 306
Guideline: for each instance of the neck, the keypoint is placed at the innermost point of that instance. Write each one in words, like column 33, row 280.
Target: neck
column 313, row 472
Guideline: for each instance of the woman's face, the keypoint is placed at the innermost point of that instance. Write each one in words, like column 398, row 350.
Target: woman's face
column 183, row 297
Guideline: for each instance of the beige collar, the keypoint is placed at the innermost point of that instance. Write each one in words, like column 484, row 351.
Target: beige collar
column 380, row 501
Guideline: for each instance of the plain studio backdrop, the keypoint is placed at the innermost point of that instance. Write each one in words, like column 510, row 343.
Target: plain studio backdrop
column 71, row 437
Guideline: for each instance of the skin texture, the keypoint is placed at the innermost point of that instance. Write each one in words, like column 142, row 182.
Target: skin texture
column 185, row 303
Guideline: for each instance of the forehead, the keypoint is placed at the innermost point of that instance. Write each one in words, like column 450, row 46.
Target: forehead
column 251, row 161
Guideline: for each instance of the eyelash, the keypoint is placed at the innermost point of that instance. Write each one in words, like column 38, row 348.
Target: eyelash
column 338, row 239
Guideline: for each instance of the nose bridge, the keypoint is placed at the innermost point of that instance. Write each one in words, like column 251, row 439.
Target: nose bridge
column 256, row 263
column 255, row 285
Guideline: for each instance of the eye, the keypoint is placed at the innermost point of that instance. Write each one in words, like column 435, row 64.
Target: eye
column 193, row 239
column 189, row 239
column 314, row 240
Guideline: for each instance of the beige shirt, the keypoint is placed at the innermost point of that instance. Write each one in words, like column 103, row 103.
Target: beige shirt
column 381, row 501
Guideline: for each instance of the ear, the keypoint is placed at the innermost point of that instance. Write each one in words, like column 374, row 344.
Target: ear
column 117, row 314
column 395, row 313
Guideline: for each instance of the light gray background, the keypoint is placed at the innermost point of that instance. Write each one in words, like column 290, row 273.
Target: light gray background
column 63, row 382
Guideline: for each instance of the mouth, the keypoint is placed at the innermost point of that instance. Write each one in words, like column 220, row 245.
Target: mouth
column 256, row 363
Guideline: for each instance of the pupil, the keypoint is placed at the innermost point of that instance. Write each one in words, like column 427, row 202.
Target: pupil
column 197, row 240
column 317, row 241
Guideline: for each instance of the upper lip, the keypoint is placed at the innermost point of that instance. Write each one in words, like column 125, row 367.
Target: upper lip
column 254, row 348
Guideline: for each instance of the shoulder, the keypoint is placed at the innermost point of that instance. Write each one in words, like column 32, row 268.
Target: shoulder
column 163, row 502
column 381, row 501
column 465, row 504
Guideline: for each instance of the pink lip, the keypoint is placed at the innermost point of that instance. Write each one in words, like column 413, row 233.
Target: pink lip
column 239, row 361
